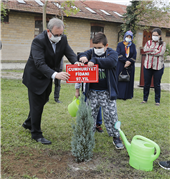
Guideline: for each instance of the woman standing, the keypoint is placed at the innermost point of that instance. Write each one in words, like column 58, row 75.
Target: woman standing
column 154, row 65
column 126, row 59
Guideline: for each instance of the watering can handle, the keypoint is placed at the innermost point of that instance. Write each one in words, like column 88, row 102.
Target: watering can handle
column 76, row 98
column 152, row 142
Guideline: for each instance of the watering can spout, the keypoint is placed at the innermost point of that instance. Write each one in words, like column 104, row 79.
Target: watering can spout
column 127, row 144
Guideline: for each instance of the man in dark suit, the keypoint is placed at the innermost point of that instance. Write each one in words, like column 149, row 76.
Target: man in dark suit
column 0, row 45
column 57, row 84
column 42, row 67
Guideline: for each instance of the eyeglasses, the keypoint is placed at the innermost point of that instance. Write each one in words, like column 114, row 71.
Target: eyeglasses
column 57, row 35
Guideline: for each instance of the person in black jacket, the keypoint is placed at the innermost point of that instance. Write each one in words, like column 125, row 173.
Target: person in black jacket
column 104, row 93
column 57, row 84
column 42, row 67
column 0, row 45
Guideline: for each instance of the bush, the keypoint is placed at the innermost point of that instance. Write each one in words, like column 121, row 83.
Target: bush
column 83, row 136
column 167, row 51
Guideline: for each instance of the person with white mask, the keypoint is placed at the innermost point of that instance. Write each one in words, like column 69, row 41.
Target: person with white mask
column 42, row 67
column 104, row 93
column 153, row 65
column 126, row 65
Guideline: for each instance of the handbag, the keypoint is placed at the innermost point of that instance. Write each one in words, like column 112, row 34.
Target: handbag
column 124, row 77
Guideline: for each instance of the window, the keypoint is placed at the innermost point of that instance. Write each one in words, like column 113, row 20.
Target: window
column 38, row 27
column 90, row 10
column 39, row 2
column 21, row 1
column 95, row 28
column 118, row 14
column 168, row 33
column 105, row 12
column 5, row 18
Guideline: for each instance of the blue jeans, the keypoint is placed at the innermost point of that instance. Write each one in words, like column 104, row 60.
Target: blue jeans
column 99, row 116
column 157, row 75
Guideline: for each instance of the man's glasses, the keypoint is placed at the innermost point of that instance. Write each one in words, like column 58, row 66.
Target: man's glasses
column 57, row 35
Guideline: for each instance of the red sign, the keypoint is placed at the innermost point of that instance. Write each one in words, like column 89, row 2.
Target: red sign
column 84, row 73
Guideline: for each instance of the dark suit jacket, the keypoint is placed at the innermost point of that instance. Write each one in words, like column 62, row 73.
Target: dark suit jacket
column 43, row 62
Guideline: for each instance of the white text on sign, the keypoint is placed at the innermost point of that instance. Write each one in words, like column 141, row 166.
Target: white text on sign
column 82, row 69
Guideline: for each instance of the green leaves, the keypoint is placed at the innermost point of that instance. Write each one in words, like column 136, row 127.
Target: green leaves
column 83, row 136
column 143, row 14
column 3, row 11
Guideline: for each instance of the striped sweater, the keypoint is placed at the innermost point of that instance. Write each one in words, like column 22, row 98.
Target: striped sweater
column 154, row 55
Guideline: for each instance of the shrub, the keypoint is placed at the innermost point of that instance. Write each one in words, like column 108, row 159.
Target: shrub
column 83, row 136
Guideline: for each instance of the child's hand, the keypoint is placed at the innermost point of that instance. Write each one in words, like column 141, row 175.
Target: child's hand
column 127, row 64
column 83, row 59
column 77, row 93
column 90, row 64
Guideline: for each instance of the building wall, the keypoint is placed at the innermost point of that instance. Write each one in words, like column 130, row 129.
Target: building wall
column 78, row 33
column 164, row 38
column 17, row 36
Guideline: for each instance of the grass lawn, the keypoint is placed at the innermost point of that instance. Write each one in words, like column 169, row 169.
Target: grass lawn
column 24, row 158
column 165, row 77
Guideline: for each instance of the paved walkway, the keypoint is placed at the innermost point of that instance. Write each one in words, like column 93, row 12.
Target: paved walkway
column 16, row 75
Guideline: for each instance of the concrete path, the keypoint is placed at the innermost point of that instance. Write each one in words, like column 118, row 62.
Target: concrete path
column 20, row 66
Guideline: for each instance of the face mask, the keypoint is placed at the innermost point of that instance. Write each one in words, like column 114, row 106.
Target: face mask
column 55, row 39
column 155, row 38
column 128, row 39
column 99, row 52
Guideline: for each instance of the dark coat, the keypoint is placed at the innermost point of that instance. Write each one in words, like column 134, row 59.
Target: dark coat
column 109, row 63
column 43, row 62
column 126, row 88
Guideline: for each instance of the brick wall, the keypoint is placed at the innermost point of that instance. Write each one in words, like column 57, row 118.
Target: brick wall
column 78, row 33
column 17, row 36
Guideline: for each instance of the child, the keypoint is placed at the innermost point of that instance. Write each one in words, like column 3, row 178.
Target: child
column 103, row 93
column 99, row 116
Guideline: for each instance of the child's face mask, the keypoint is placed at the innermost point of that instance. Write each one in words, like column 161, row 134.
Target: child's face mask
column 99, row 52
column 99, row 49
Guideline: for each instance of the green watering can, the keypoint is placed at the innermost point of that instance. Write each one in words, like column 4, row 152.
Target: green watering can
column 141, row 150
column 73, row 107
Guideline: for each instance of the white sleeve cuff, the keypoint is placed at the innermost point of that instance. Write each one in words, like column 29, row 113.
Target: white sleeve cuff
column 53, row 75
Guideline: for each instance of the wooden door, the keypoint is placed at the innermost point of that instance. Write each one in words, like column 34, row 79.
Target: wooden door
column 147, row 35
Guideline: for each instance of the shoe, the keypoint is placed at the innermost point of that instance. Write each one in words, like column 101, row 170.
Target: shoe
column 157, row 104
column 57, row 101
column 25, row 126
column 165, row 165
column 99, row 129
column 118, row 143
column 43, row 141
column 143, row 102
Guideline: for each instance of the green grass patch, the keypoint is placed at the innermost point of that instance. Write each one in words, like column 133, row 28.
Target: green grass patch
column 15, row 71
column 137, row 119
column 165, row 76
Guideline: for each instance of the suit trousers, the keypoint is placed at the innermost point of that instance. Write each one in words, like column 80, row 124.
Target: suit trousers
column 36, row 103
column 157, row 75
column 57, row 88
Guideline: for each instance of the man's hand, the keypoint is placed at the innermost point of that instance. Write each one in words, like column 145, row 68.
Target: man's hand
column 83, row 59
column 62, row 76
column 127, row 64
column 79, row 64
column 77, row 93
column 90, row 64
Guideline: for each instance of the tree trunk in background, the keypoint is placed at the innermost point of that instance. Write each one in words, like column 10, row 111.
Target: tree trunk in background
column 44, row 15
